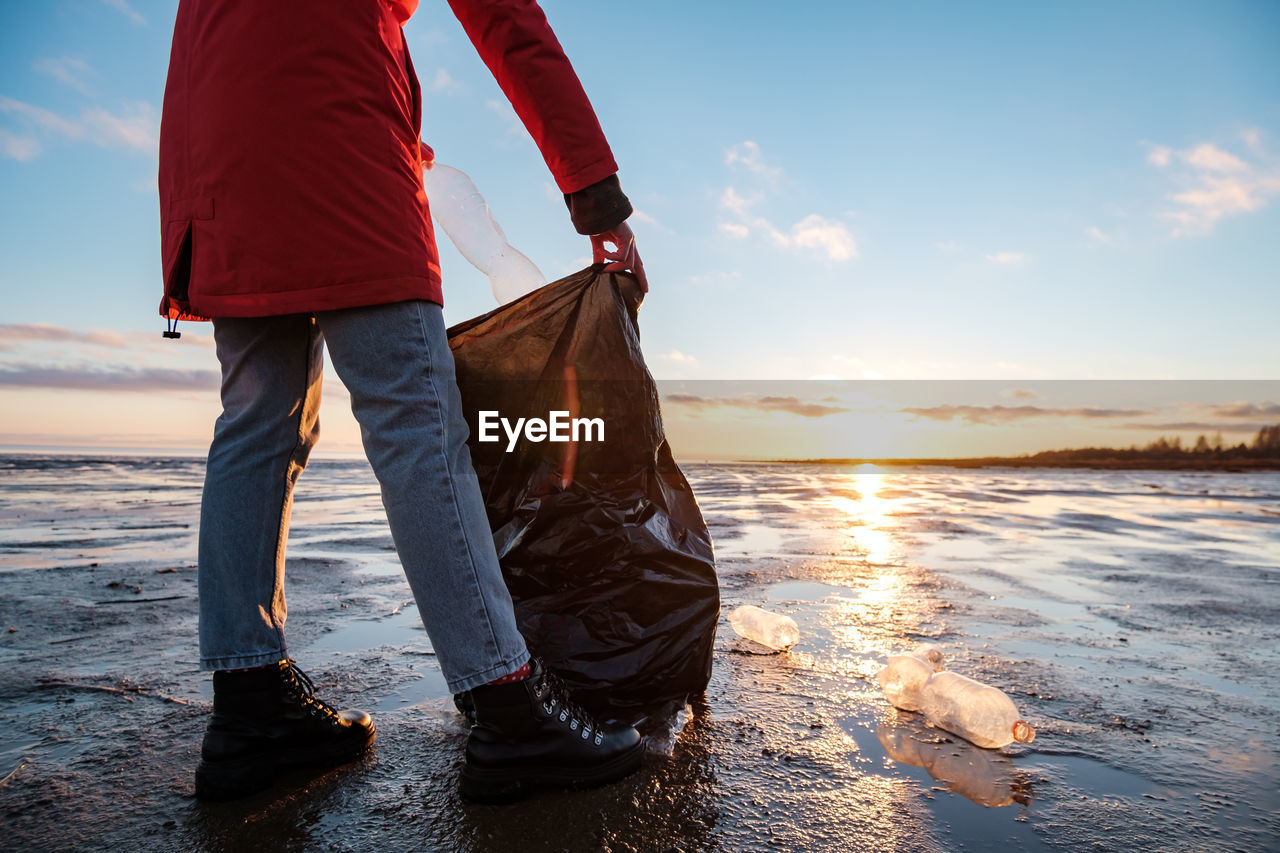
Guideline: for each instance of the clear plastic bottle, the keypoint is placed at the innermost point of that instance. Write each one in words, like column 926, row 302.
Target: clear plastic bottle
column 459, row 209
column 775, row 630
column 979, row 713
column 663, row 741
column 905, row 675
column 932, row 655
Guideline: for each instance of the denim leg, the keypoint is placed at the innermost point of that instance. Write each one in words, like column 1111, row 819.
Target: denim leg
column 271, row 368
column 395, row 360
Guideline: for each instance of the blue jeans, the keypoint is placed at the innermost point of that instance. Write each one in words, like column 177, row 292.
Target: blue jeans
column 395, row 360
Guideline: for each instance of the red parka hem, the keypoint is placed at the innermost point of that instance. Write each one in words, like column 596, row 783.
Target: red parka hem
column 332, row 297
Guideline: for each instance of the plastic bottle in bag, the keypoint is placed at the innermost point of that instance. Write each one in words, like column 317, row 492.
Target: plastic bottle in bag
column 979, row 713
column 461, row 211
column 775, row 630
column 905, row 675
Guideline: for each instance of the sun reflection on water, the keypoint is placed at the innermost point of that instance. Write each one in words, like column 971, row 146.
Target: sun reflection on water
column 884, row 609
column 868, row 513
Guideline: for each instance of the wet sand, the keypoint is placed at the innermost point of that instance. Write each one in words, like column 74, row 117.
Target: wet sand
column 1132, row 616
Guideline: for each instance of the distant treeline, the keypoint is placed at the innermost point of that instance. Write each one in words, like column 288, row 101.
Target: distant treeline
column 1264, row 448
column 1205, row 454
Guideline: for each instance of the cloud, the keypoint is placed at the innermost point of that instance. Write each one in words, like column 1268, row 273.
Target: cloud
column 1217, row 198
column 41, row 118
column 64, row 343
column 747, row 155
column 1019, row 394
column 676, row 355
column 991, row 415
column 1196, row 426
column 1216, row 184
column 137, row 129
column 831, row 237
column 1245, row 410
column 814, row 232
column 12, row 334
column 107, row 378
column 790, row 405
column 1213, row 159
column 1096, row 235
column 508, row 114
column 736, row 204
column 443, row 82
column 840, row 366
column 1160, row 155
column 21, row 148
column 740, row 207
column 123, row 7
column 1007, row 258
column 796, row 407
column 68, row 71
column 638, row 215
column 947, row 246
column 431, row 37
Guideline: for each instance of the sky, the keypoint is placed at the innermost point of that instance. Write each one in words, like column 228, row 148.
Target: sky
column 997, row 191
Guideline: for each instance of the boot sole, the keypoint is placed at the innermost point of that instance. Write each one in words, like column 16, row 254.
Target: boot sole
column 232, row 779
column 508, row 784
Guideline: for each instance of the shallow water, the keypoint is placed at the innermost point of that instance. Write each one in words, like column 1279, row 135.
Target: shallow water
column 1134, row 617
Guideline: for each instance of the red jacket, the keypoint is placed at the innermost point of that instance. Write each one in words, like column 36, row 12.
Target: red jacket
column 290, row 178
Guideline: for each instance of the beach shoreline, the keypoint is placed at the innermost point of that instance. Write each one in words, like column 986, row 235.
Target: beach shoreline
column 1104, row 603
column 1236, row 466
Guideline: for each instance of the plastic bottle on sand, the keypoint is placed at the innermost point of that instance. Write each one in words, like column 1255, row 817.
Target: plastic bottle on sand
column 979, row 713
column 461, row 211
column 932, row 655
column 905, row 675
column 775, row 630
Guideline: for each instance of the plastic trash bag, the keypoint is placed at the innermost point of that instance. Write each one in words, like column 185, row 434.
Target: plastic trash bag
column 601, row 542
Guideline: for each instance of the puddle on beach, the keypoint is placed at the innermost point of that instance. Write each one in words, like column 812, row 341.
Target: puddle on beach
column 752, row 539
column 399, row 634
column 1143, row 651
column 807, row 591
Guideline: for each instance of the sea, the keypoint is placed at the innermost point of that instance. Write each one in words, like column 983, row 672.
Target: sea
column 1133, row 617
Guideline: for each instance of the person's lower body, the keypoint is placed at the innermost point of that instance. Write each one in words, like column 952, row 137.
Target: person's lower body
column 396, row 363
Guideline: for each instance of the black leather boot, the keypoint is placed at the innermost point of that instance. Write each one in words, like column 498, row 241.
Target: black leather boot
column 528, row 735
column 268, row 720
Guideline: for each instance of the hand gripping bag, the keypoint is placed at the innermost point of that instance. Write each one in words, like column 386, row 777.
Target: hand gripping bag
column 601, row 542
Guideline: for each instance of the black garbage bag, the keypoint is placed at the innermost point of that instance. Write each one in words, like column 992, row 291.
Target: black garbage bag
column 601, row 542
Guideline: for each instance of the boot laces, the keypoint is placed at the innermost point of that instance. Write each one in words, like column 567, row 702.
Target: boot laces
column 300, row 687
column 557, row 703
